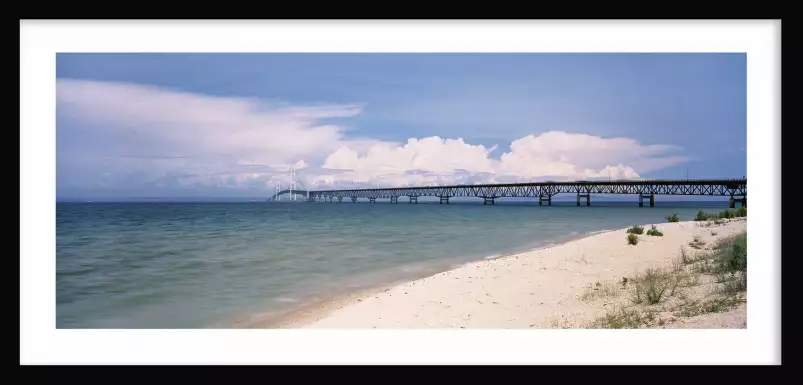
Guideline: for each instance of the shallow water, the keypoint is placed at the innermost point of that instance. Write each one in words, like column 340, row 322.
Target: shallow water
column 198, row 265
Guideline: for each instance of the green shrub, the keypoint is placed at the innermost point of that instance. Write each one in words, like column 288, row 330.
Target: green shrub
column 655, row 232
column 732, row 256
column 632, row 239
column 673, row 218
column 636, row 230
column 704, row 216
column 651, row 287
column 726, row 214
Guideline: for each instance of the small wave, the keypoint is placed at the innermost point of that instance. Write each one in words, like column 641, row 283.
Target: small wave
column 494, row 256
column 79, row 271
column 597, row 232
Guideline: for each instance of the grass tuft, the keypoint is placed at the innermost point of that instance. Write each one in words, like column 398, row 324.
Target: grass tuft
column 717, row 217
column 714, row 305
column 731, row 255
column 685, row 257
column 600, row 290
column 655, row 232
column 636, row 230
column 622, row 319
column 697, row 243
column 652, row 286
column 673, row 218
column 632, row 239
column 736, row 284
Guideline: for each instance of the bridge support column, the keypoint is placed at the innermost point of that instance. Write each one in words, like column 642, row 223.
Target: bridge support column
column 394, row 199
column 339, row 199
column 413, row 199
column 545, row 198
column 732, row 202
column 641, row 200
column 587, row 196
column 445, row 199
column 488, row 200
column 354, row 199
column 371, row 200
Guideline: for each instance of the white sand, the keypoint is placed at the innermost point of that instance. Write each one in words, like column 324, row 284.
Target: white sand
column 541, row 288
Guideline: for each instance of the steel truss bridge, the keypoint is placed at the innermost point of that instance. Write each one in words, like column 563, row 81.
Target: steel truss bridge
column 736, row 189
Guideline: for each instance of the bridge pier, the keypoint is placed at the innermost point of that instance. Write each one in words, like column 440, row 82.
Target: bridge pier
column 339, row 199
column 732, row 202
column 545, row 198
column 413, row 199
column 587, row 196
column 371, row 200
column 353, row 199
column 444, row 199
column 488, row 200
column 641, row 200
column 394, row 199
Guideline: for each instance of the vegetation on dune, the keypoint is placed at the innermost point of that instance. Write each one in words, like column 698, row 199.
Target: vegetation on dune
column 636, row 230
column 600, row 290
column 659, row 295
column 655, row 232
column 726, row 214
column 673, row 218
column 626, row 319
column 731, row 254
column 632, row 239
column 697, row 243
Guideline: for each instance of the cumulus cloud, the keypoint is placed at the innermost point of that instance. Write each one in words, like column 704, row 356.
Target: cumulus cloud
column 118, row 135
column 553, row 155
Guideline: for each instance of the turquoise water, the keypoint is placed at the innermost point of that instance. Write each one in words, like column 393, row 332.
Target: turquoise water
column 213, row 265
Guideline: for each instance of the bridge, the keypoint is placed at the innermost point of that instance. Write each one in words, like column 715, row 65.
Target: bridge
column 305, row 193
column 735, row 189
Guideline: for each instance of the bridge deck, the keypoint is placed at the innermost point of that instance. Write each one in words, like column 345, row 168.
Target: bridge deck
column 734, row 188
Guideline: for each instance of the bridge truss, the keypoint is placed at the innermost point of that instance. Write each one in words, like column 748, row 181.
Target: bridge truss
column 736, row 189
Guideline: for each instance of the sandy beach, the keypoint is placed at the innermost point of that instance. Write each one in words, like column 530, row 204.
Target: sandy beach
column 578, row 284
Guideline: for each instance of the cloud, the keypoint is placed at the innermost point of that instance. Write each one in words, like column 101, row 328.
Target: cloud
column 552, row 155
column 120, row 136
column 163, row 122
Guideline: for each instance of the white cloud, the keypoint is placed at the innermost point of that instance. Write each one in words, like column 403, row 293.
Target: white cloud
column 114, row 135
column 551, row 155
column 174, row 123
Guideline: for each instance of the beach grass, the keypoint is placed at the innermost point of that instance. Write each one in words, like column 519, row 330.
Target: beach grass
column 697, row 242
column 653, row 231
column 635, row 229
column 600, row 290
column 725, row 214
column 658, row 292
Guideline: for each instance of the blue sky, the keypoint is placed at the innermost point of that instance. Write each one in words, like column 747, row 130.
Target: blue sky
column 137, row 125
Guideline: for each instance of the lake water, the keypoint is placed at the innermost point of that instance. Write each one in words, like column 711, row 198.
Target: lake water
column 217, row 265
